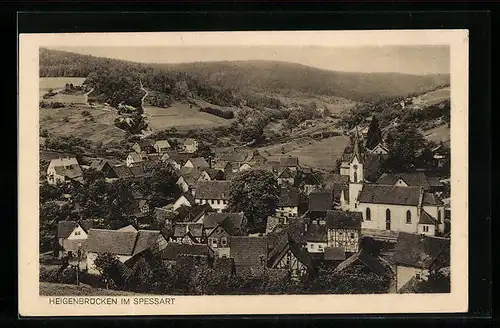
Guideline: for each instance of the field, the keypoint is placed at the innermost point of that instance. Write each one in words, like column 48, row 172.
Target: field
column 57, row 83
column 440, row 133
column 433, row 97
column 53, row 289
column 183, row 118
column 102, row 129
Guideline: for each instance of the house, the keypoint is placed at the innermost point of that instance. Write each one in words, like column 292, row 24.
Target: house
column 343, row 230
column 195, row 214
column 288, row 204
column 161, row 146
column 144, row 146
column 320, row 203
column 135, row 158
column 289, row 162
column 219, row 227
column 62, row 170
column 249, row 254
column 123, row 244
column 186, row 199
column 311, row 181
column 400, row 208
column 235, row 156
column 256, row 159
column 104, row 167
column 334, row 255
column 174, row 158
column 187, row 179
column 245, row 167
column 208, row 174
column 175, row 251
column 316, row 237
column 411, row 179
column 367, row 263
column 417, row 256
column 224, row 166
column 286, row 177
column 379, row 149
column 441, row 155
column 190, row 145
column 290, row 256
column 196, row 163
column 128, row 227
column 72, row 235
column 188, row 233
column 215, row 193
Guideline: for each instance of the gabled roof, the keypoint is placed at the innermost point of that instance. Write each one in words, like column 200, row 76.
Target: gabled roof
column 412, row 179
column 286, row 173
column 143, row 143
column 135, row 157
column 123, row 172
column 198, row 162
column 212, row 173
column 313, row 178
column 337, row 219
column 71, row 171
column 431, row 199
column 146, row 239
column 189, row 142
column 288, row 244
column 231, row 155
column 249, row 252
column 162, row 144
column 426, row 218
column 182, row 228
column 289, row 198
column 215, row 189
column 188, row 196
column 316, row 233
column 212, row 220
column 112, row 241
column 173, row 250
column 420, row 251
column 220, row 165
column 334, row 254
column 364, row 258
column 287, row 161
column 63, row 161
column 388, row 194
column 320, row 201
column 98, row 164
column 65, row 228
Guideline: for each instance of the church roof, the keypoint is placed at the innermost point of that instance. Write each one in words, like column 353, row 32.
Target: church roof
column 388, row 194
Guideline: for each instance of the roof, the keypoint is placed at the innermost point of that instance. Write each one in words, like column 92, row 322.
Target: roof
column 286, row 244
column 337, row 219
column 426, row 218
column 389, row 194
column 415, row 250
column 129, row 227
column 145, row 143
column 65, row 228
column 431, row 199
column 334, row 254
column 182, row 228
column 138, row 170
column 286, row 173
column 221, row 165
column 289, row 161
column 212, row 173
column 364, row 258
column 416, row 179
column 193, row 213
column 316, row 233
column 179, row 158
column 190, row 141
column 198, row 162
column 63, row 161
column 71, row 171
column 320, row 201
column 249, row 251
column 214, row 189
column 112, row 241
column 173, row 250
column 212, row 220
column 289, row 198
column 98, row 164
column 231, row 155
column 189, row 197
column 123, row 172
column 162, row 144
column 135, row 157
column 146, row 239
column 314, row 179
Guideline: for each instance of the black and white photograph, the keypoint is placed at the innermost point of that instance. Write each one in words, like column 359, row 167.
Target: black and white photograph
column 234, row 169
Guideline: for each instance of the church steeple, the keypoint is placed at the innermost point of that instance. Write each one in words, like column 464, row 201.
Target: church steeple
column 356, row 152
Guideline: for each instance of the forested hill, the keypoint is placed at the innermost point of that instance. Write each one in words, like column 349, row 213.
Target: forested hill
column 240, row 77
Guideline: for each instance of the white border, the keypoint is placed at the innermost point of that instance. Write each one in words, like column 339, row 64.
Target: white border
column 31, row 304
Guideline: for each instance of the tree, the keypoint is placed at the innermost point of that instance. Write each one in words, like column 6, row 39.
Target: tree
column 206, row 152
column 107, row 265
column 405, row 144
column 160, row 185
column 256, row 193
column 374, row 136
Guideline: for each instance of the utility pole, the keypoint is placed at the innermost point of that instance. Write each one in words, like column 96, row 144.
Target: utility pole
column 79, row 252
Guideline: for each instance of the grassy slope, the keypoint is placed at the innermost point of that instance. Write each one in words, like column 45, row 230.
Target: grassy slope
column 53, row 289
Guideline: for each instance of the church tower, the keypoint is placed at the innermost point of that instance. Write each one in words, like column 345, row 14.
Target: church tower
column 356, row 174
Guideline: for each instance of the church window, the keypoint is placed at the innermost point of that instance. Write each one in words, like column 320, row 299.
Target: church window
column 368, row 214
column 355, row 176
column 408, row 216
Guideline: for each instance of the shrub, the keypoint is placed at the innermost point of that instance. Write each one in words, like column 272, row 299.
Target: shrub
column 227, row 114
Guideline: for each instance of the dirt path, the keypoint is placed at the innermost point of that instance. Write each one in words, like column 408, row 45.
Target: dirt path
column 86, row 95
column 147, row 117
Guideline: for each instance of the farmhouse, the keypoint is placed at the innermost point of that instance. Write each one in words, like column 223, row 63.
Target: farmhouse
column 224, row 166
column 190, row 145
column 63, row 170
column 249, row 254
column 316, row 237
column 215, row 193
column 290, row 256
column 135, row 158
column 287, row 177
column 103, row 166
column 343, row 230
column 379, row 149
column 72, row 235
column 416, row 256
column 311, row 182
column 208, row 174
column 288, row 204
column 186, row 199
column 188, row 233
column 174, row 251
column 219, row 227
column 367, row 263
column 320, row 203
column 161, row 146
column 196, row 163
column 145, row 146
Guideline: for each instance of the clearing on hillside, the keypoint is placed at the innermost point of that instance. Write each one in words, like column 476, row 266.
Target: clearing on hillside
column 58, row 83
column 440, row 133
column 322, row 154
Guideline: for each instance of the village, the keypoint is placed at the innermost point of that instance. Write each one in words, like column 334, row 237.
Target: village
column 395, row 227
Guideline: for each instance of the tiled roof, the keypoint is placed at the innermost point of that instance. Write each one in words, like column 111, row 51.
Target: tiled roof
column 220, row 165
column 413, row 179
column 388, row 194
column 146, row 239
column 138, row 170
column 316, row 233
column 313, row 179
column 198, row 162
column 426, row 218
column 420, row 251
column 285, row 244
column 162, row 144
column 249, row 251
column 98, row 164
column 145, row 143
column 289, row 197
column 364, row 258
column 123, row 172
column 212, row 220
column 431, row 199
column 64, row 161
column 135, row 157
column 173, row 250
column 112, row 241
column 65, row 228
column 189, row 197
column 72, row 171
column 287, row 161
column 320, row 201
column 334, row 254
column 337, row 219
column 286, row 173
column 213, row 173
column 182, row 228
column 212, row 189
column 189, row 141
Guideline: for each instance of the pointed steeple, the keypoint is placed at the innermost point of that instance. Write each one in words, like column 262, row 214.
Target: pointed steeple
column 356, row 152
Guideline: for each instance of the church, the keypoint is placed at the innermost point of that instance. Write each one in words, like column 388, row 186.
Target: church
column 395, row 207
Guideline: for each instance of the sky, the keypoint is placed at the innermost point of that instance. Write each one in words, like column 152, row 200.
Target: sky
column 419, row 60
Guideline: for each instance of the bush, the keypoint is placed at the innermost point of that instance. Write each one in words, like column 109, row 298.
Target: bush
column 52, row 104
column 227, row 114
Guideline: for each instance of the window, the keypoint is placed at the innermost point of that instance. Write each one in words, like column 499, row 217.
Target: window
column 368, row 214
column 214, row 242
column 218, row 201
column 355, row 176
column 312, row 246
column 77, row 233
column 320, row 248
column 223, row 241
column 408, row 216
column 352, row 235
column 439, row 215
column 387, row 219
column 425, row 228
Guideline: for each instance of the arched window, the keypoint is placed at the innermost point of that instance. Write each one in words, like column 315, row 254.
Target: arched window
column 408, row 216
column 388, row 219
column 439, row 216
column 355, row 176
column 368, row 214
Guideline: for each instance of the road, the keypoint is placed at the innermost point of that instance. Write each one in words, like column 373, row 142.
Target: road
column 87, row 97
column 148, row 132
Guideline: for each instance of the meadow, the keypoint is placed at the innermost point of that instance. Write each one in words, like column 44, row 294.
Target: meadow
column 58, row 83
column 439, row 133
